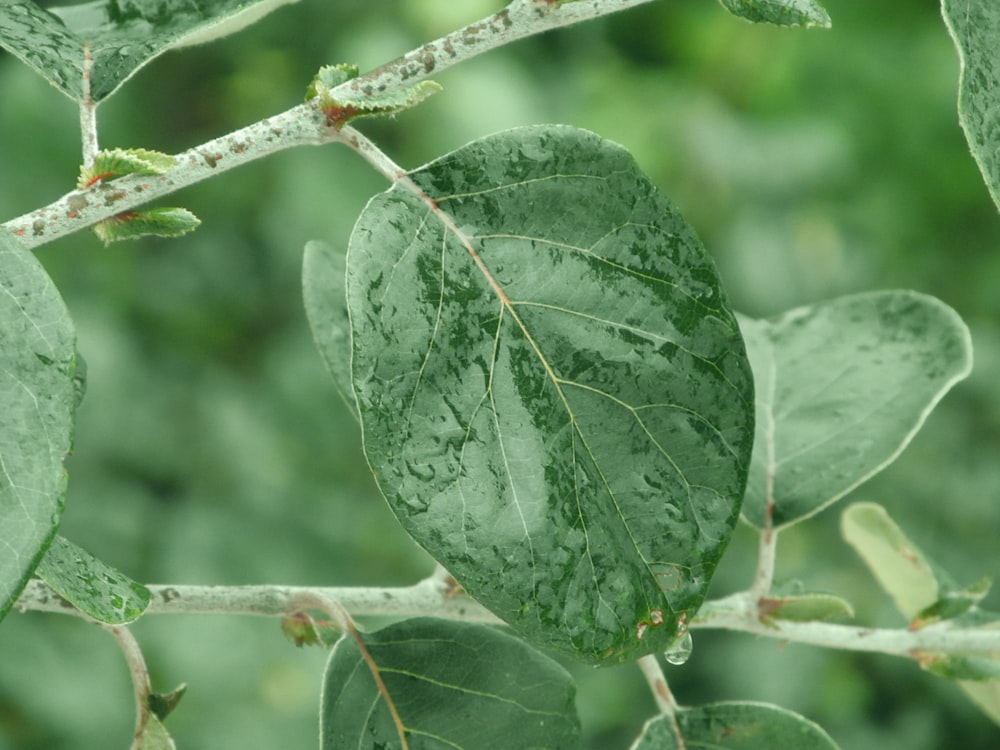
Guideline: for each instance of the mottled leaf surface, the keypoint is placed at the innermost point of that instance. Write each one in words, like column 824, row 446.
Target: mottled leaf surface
column 554, row 395
column 975, row 29
column 92, row 586
column 120, row 35
column 38, row 396
column 456, row 686
column 324, row 294
column 780, row 12
column 734, row 726
column 842, row 388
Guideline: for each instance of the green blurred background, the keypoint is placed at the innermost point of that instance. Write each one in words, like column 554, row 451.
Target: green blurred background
column 212, row 448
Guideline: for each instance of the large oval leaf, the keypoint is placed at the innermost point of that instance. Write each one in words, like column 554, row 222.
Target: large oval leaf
column 555, row 398
column 842, row 388
column 455, row 686
column 975, row 28
column 38, row 394
column 119, row 36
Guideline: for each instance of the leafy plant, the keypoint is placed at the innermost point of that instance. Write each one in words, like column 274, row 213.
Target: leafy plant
column 555, row 399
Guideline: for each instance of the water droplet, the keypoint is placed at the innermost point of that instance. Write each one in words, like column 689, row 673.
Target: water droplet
column 125, row 51
column 680, row 651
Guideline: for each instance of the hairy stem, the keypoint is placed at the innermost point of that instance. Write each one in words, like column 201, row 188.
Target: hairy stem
column 304, row 124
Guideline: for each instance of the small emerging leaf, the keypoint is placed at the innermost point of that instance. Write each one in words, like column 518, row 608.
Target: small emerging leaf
column 163, row 704
column 92, row 586
column 119, row 162
column 962, row 667
column 780, row 12
column 160, row 222
column 154, row 736
column 805, row 608
column 734, row 726
column 346, row 106
column 953, row 603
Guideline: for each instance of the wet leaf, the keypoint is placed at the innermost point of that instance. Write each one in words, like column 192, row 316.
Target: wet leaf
column 780, row 12
column 119, row 35
column 38, row 395
column 455, row 685
column 90, row 585
column 324, row 293
column 734, row 726
column 554, row 395
column 975, row 29
column 842, row 388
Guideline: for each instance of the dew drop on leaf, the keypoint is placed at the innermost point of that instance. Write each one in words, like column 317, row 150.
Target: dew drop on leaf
column 680, row 651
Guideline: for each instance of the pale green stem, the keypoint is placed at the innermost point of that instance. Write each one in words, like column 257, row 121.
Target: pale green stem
column 140, row 677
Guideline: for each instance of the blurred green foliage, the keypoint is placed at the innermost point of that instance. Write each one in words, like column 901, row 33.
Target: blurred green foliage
column 211, row 447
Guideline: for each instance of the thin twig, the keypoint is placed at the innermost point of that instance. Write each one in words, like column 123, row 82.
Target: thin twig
column 140, row 677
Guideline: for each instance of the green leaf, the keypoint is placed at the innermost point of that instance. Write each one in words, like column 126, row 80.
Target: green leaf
column 962, row 667
column 734, row 726
column 842, row 388
column 119, row 162
column 163, row 704
column 455, row 685
column 38, row 395
column 324, row 293
column 895, row 561
column 159, row 222
column 953, row 603
column 348, row 105
column 781, row 12
column 554, row 395
column 92, row 586
column 120, row 36
column 155, row 736
column 805, row 608
column 975, row 29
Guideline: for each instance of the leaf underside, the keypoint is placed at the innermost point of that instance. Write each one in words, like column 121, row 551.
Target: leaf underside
column 554, row 396
column 975, row 29
column 842, row 387
column 120, row 36
column 38, row 395
column 780, row 12
column 456, row 686
column 734, row 726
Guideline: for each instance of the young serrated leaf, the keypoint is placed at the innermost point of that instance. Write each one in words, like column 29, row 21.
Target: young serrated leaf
column 159, row 222
column 342, row 109
column 975, row 29
column 120, row 36
column 119, row 162
column 454, row 685
column 806, row 13
column 953, row 603
column 324, row 294
column 329, row 77
column 90, row 585
column 38, row 396
column 554, row 394
column 734, row 726
column 842, row 388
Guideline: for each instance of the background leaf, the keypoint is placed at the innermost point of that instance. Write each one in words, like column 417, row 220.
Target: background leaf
column 914, row 583
column 780, row 12
column 735, row 726
column 123, row 35
column 554, row 396
column 92, row 586
column 842, row 388
column 324, row 293
column 975, row 28
column 455, row 685
column 38, row 395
